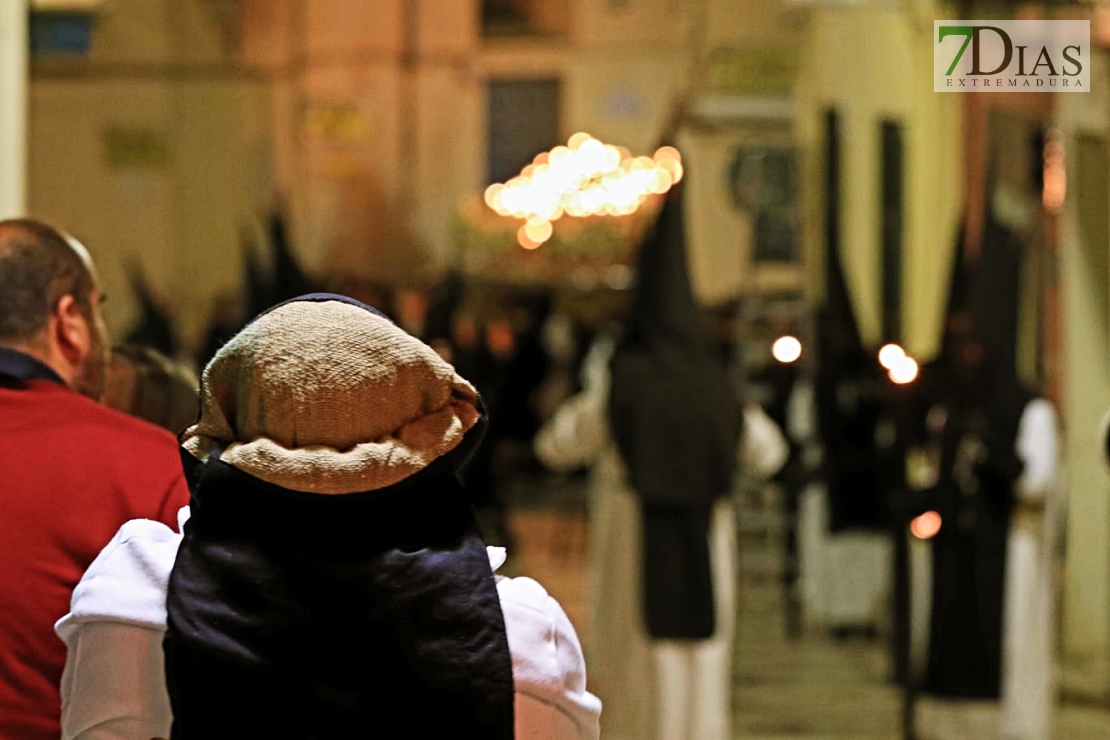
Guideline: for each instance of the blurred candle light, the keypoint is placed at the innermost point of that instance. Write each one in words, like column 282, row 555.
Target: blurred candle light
column 904, row 370
column 491, row 194
column 524, row 240
column 786, row 349
column 890, row 354
column 1055, row 175
column 578, row 139
column 926, row 526
column 667, row 153
column 584, row 178
column 538, row 231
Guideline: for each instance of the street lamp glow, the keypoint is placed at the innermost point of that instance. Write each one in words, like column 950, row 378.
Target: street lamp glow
column 786, row 349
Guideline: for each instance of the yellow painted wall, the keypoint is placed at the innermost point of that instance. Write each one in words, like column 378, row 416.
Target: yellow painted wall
column 1086, row 396
column 163, row 68
column 855, row 60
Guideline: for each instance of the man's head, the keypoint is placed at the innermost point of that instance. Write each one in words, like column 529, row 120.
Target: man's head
column 50, row 303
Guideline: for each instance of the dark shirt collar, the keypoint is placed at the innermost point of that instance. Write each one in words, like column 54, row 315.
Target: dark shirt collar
column 21, row 366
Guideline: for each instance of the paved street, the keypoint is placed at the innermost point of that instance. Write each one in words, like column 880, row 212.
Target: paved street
column 814, row 688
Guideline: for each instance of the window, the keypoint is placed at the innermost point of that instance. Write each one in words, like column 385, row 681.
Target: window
column 525, row 17
column 523, row 121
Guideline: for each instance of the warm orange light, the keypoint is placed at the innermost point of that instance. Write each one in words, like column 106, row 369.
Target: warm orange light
column 491, row 194
column 1055, row 174
column 584, row 178
column 578, row 139
column 926, row 526
column 524, row 240
column 904, row 371
column 890, row 354
column 786, row 349
column 665, row 153
column 672, row 166
column 661, row 181
column 538, row 231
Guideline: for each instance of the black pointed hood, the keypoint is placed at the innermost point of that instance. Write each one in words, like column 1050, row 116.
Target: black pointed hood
column 154, row 328
column 994, row 296
column 840, row 335
column 663, row 307
column 259, row 291
column 960, row 277
column 667, row 376
column 289, row 278
column 839, row 339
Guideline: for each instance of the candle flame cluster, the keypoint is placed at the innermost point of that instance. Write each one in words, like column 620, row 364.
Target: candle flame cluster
column 901, row 368
column 583, row 178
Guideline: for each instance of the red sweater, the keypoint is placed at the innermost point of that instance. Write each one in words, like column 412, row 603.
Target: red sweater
column 71, row 473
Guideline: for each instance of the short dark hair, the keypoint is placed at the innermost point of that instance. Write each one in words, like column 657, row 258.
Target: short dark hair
column 38, row 267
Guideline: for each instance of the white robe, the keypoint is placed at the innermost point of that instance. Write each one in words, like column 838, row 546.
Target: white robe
column 691, row 694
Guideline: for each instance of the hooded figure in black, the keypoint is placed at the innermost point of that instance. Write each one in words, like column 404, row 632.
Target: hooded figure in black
column 974, row 422
column 676, row 423
column 154, row 328
column 331, row 582
column 849, row 408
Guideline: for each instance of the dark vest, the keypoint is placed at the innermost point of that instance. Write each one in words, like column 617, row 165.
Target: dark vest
column 295, row 615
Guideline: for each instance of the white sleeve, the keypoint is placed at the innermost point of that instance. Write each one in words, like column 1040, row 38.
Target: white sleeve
column 1037, row 447
column 113, row 686
column 549, row 670
column 575, row 434
column 763, row 449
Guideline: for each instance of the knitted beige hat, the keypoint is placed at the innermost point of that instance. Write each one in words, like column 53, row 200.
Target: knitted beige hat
column 326, row 396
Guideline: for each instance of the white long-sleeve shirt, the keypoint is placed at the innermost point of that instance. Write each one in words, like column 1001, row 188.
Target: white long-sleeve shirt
column 114, row 687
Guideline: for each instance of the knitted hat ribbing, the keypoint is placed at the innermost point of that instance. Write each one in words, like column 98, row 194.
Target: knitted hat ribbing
column 328, row 397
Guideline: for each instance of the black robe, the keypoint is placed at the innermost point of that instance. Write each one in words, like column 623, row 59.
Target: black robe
column 850, row 407
column 974, row 497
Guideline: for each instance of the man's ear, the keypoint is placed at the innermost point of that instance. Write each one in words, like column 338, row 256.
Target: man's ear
column 71, row 331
